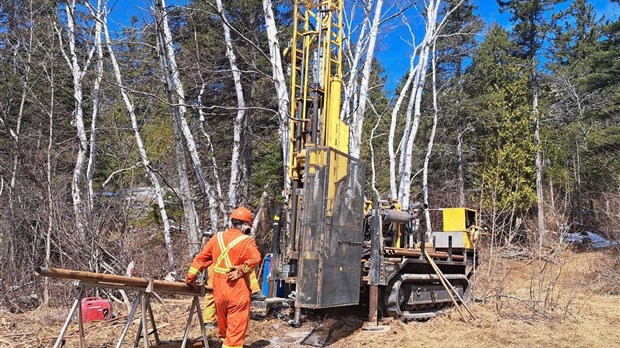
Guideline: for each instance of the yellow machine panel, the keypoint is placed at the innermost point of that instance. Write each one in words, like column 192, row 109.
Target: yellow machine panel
column 462, row 220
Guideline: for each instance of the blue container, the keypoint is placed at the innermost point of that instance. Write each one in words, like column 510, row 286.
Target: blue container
column 265, row 283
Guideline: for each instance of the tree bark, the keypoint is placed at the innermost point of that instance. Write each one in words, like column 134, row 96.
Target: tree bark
column 431, row 140
column 143, row 155
column 77, row 73
column 281, row 89
column 93, row 139
column 179, row 124
column 415, row 101
column 357, row 121
column 353, row 80
column 216, row 200
column 238, row 123
column 395, row 111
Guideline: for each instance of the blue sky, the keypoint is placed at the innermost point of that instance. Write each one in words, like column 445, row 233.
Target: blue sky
column 392, row 49
column 394, row 52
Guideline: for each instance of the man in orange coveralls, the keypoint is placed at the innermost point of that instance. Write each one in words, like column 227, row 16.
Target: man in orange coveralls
column 233, row 255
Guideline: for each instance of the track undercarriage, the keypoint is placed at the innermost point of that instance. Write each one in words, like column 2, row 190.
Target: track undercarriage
column 414, row 290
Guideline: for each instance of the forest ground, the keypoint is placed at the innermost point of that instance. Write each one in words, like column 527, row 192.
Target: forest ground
column 579, row 312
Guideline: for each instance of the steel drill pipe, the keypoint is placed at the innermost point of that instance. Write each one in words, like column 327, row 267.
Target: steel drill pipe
column 112, row 280
column 416, row 253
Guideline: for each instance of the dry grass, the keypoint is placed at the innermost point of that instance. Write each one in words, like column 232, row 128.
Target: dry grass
column 578, row 313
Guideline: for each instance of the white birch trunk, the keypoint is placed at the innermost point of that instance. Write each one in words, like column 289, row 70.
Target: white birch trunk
column 96, row 105
column 416, row 97
column 215, row 196
column 178, row 110
column 460, row 170
column 395, row 111
column 143, row 155
column 281, row 88
column 539, row 167
column 353, row 82
column 90, row 168
column 77, row 73
column 48, row 173
column 431, row 140
column 357, row 120
column 177, row 87
column 235, row 162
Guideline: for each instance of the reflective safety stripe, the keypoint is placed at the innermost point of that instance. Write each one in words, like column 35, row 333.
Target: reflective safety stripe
column 193, row 270
column 224, row 255
column 209, row 310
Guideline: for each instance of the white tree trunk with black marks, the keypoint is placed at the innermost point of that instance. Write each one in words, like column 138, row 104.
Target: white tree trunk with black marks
column 406, row 158
column 431, row 140
column 176, row 99
column 238, row 122
column 141, row 150
column 357, row 119
column 280, row 86
column 77, row 73
column 215, row 197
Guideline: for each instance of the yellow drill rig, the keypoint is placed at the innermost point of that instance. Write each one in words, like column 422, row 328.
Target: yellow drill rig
column 331, row 248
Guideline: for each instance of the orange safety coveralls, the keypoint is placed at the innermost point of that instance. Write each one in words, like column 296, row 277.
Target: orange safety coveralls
column 232, row 298
column 208, row 304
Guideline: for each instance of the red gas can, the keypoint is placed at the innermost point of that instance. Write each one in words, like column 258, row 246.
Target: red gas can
column 94, row 308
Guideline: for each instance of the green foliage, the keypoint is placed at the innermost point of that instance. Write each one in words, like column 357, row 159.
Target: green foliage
column 267, row 169
column 497, row 84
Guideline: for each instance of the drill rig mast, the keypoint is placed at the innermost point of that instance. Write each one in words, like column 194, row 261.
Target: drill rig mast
column 327, row 246
column 321, row 240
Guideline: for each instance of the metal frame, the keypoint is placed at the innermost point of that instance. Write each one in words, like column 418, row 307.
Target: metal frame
column 143, row 299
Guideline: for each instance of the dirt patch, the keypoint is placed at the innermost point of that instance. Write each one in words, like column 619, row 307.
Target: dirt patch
column 576, row 314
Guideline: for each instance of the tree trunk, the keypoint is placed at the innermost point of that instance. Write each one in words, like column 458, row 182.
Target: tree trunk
column 391, row 151
column 77, row 73
column 430, row 144
column 357, row 121
column 459, row 158
column 353, row 82
column 539, row 166
column 93, row 139
column 416, row 97
column 179, row 124
column 48, row 173
column 143, row 155
column 281, row 89
column 215, row 196
column 238, row 123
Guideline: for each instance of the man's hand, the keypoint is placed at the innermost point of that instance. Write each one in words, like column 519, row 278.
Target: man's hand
column 235, row 272
column 190, row 280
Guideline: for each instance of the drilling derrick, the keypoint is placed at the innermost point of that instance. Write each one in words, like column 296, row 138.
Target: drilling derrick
column 320, row 243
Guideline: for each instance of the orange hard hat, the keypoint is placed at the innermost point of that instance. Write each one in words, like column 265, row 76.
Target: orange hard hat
column 241, row 214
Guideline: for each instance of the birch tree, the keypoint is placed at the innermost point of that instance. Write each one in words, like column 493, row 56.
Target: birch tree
column 357, row 119
column 176, row 99
column 395, row 113
column 280, row 86
column 414, row 106
column 77, row 72
column 93, row 135
column 431, row 140
column 354, row 54
column 235, row 162
column 141, row 149
column 215, row 196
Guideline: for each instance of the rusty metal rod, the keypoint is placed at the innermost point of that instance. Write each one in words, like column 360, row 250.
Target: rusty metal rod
column 112, row 280
column 417, row 253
